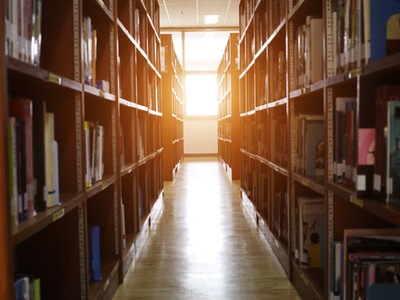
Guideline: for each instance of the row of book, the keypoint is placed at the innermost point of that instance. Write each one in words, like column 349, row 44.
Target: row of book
column 279, row 142
column 246, row 11
column 365, row 265
column 33, row 159
column 359, row 32
column 94, row 149
column 377, row 147
column 23, row 21
column 27, row 287
column 280, row 217
column 310, row 235
column 89, row 56
column 309, row 145
column 345, row 153
column 307, row 53
column 89, row 51
column 387, row 148
column 277, row 11
column 277, row 66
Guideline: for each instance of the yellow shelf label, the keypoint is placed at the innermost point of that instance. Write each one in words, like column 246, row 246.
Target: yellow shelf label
column 58, row 214
column 54, row 78
column 356, row 201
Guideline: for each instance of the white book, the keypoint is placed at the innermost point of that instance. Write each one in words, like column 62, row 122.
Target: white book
column 316, row 48
column 49, row 161
column 56, row 174
column 88, row 172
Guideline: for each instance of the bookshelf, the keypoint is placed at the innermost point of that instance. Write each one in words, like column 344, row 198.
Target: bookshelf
column 303, row 125
column 98, row 77
column 228, row 109
column 173, row 95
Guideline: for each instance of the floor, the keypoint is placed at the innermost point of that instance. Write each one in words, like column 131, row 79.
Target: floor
column 204, row 245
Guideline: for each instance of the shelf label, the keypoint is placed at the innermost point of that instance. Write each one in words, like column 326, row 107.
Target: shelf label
column 104, row 185
column 54, row 78
column 305, row 182
column 58, row 214
column 356, row 201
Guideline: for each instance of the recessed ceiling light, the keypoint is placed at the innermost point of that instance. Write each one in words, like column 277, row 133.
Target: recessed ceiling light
column 211, row 19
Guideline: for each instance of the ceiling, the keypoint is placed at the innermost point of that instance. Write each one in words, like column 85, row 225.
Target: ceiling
column 190, row 13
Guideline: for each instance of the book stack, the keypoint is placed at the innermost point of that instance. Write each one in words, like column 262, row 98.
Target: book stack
column 307, row 56
column 360, row 32
column 23, row 30
column 94, row 148
column 89, row 45
column 311, row 220
column 309, row 145
column 371, row 264
column 27, row 287
column 279, row 145
column 33, row 159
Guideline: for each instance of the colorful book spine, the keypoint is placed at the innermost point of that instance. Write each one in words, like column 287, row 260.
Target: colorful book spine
column 393, row 152
column 22, row 110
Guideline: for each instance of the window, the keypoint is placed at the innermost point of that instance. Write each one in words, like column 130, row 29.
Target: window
column 201, row 52
column 201, row 95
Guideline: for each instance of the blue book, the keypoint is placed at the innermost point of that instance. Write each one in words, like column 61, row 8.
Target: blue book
column 380, row 12
column 21, row 288
column 95, row 273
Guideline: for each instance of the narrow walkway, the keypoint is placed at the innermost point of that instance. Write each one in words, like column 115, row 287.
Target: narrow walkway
column 204, row 246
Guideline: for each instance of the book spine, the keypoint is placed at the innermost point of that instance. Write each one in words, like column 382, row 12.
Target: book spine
column 393, row 152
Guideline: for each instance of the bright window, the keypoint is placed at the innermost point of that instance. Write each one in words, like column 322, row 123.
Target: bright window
column 201, row 95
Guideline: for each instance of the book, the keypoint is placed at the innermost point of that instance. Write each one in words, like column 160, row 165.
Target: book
column 344, row 126
column 39, row 155
column 11, row 28
column 88, row 172
column 316, row 49
column 87, row 50
column 95, row 271
column 377, row 241
column 21, row 109
column 366, row 146
column 123, row 226
column 393, row 34
column 21, row 288
column 314, row 147
column 309, row 144
column 12, row 170
column 49, row 159
column 55, row 173
column 36, row 42
column 336, row 263
column 311, row 219
column 20, row 163
column 376, row 18
column 384, row 94
column 393, row 152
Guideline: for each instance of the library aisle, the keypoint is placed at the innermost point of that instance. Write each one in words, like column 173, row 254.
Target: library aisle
column 204, row 245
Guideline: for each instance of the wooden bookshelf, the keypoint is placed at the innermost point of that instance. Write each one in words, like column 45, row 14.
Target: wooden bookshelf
column 228, row 109
column 173, row 95
column 281, row 90
column 54, row 244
